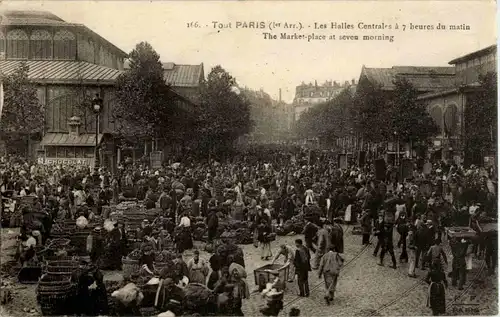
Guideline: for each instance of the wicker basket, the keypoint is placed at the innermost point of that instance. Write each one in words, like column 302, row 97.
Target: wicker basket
column 62, row 267
column 58, row 243
column 55, row 295
column 129, row 267
column 79, row 241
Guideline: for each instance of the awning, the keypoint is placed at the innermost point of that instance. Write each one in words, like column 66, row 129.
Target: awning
column 67, row 139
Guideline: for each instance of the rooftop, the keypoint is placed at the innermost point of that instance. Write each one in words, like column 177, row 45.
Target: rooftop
column 63, row 72
column 423, row 78
column 183, row 75
column 481, row 52
column 45, row 18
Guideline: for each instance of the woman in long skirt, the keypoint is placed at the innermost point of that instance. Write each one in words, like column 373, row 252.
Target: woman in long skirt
column 436, row 299
column 264, row 230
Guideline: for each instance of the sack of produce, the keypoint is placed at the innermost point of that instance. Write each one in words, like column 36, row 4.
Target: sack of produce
column 128, row 294
column 82, row 222
column 198, row 299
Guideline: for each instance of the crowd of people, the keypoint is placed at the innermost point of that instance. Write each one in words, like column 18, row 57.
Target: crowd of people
column 266, row 188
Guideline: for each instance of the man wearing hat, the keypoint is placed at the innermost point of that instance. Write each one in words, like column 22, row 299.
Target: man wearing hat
column 95, row 245
column 402, row 228
column 387, row 245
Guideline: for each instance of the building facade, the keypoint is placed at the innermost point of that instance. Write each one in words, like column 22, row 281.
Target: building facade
column 425, row 80
column 69, row 64
column 448, row 106
column 308, row 95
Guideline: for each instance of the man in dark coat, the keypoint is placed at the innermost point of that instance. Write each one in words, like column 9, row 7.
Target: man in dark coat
column 212, row 224
column 387, row 246
column 310, row 234
column 402, row 227
column 337, row 235
column 302, row 267
column 459, row 272
column 378, row 231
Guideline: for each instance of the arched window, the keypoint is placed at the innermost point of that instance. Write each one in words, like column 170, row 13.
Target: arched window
column 17, row 44
column 451, row 120
column 437, row 116
column 41, row 44
column 64, row 45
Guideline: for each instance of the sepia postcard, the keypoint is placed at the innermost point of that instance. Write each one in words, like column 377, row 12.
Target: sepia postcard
column 248, row 158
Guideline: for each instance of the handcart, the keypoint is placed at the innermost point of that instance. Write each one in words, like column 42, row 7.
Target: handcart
column 263, row 275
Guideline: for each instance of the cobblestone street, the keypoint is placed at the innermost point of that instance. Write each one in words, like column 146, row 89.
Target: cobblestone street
column 366, row 289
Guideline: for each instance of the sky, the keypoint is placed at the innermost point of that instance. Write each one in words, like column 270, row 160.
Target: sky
column 283, row 64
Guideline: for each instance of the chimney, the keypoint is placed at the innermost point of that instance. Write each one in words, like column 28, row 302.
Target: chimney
column 74, row 125
column 353, row 82
column 280, row 96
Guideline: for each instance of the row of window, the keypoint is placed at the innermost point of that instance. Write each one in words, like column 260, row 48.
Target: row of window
column 40, row 44
column 69, row 152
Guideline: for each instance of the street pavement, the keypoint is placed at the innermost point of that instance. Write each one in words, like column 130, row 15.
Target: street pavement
column 366, row 289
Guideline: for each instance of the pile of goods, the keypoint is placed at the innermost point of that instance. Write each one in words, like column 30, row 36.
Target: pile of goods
column 111, row 287
column 199, row 299
column 236, row 232
column 79, row 240
column 133, row 214
column 228, row 251
column 164, row 256
column 294, row 225
column 199, row 229
column 130, row 263
column 239, row 236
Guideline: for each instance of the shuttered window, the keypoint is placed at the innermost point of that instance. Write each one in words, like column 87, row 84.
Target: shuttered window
column 17, row 44
column 64, row 45
column 41, row 44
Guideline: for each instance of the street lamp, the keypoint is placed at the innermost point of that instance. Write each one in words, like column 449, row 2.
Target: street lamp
column 97, row 107
column 397, row 147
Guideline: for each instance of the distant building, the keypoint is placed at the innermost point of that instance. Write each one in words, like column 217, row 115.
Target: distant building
column 185, row 79
column 447, row 106
column 308, row 95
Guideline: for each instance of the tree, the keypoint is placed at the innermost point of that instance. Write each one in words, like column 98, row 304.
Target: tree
column 22, row 115
column 225, row 113
column 371, row 114
column 328, row 120
column 146, row 106
column 481, row 119
column 410, row 119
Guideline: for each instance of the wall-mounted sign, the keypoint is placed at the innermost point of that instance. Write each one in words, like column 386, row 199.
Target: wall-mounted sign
column 66, row 161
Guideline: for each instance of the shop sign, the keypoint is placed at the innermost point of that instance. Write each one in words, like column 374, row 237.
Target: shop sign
column 66, row 161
